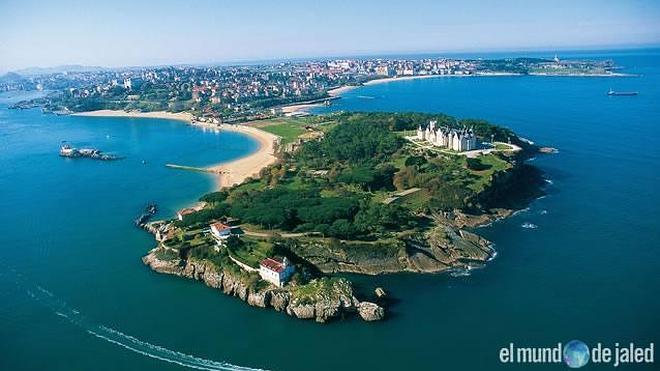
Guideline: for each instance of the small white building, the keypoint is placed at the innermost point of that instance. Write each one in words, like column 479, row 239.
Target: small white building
column 183, row 212
column 276, row 271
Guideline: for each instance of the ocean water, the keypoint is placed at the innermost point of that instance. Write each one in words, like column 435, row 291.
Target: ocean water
column 75, row 295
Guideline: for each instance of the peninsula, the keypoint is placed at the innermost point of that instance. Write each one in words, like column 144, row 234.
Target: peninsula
column 366, row 193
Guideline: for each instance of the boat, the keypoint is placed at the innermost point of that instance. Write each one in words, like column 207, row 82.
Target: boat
column 621, row 93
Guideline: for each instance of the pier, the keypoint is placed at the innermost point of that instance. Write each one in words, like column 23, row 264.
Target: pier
column 189, row 168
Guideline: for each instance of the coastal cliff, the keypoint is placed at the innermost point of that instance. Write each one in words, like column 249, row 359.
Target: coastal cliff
column 441, row 249
column 323, row 301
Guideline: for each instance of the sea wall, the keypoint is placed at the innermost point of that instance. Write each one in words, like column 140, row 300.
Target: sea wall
column 338, row 304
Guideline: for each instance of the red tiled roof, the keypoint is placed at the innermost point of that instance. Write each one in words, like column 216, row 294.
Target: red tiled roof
column 273, row 264
column 220, row 226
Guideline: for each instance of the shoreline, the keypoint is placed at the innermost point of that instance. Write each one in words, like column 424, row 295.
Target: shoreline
column 179, row 116
column 338, row 91
column 237, row 171
column 228, row 173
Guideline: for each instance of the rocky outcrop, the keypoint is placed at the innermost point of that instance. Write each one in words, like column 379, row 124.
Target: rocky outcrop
column 259, row 299
column 302, row 311
column 325, row 305
column 279, row 300
column 439, row 249
column 370, row 311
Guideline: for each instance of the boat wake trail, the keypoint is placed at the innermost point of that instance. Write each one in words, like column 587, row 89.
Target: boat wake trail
column 128, row 342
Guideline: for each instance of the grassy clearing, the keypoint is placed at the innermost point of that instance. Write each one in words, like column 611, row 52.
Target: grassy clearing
column 326, row 288
column 288, row 131
column 484, row 177
column 415, row 201
column 252, row 251
column 287, row 128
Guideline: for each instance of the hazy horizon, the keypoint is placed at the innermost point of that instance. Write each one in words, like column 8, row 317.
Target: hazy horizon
column 134, row 34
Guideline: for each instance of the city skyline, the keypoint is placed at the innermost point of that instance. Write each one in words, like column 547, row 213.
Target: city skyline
column 136, row 34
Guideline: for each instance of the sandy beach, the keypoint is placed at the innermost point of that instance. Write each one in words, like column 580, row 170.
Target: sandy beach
column 299, row 107
column 229, row 173
column 235, row 172
column 341, row 90
column 181, row 116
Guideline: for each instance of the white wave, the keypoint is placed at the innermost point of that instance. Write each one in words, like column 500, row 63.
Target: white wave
column 549, row 181
column 61, row 314
column 529, row 225
column 73, row 316
column 43, row 290
column 460, row 273
column 493, row 256
column 543, row 212
column 520, row 211
column 164, row 354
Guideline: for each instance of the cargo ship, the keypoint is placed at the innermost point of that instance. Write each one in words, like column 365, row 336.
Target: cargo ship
column 621, row 93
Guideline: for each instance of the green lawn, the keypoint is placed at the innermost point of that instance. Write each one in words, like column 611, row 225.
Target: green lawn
column 485, row 176
column 252, row 251
column 289, row 132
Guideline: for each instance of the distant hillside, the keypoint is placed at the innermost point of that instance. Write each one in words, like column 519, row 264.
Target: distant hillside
column 12, row 78
column 31, row 71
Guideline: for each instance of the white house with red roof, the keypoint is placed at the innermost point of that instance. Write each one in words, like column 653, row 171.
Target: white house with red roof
column 221, row 231
column 276, row 271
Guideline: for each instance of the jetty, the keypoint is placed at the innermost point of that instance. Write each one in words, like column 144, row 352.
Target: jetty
column 189, row 168
column 613, row 93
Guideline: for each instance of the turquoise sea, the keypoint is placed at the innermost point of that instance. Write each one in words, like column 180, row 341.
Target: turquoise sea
column 75, row 295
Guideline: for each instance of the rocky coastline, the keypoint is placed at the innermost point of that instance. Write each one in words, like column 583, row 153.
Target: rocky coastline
column 339, row 303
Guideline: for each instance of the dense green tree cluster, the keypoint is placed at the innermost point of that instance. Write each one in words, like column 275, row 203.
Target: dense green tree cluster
column 351, row 142
column 445, row 179
column 412, row 120
column 286, row 209
column 214, row 197
column 369, row 178
column 363, row 159
column 348, row 216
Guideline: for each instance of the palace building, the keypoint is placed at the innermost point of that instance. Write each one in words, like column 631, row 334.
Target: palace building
column 455, row 139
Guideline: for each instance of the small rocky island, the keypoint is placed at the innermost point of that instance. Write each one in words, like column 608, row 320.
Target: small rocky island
column 369, row 193
column 93, row 153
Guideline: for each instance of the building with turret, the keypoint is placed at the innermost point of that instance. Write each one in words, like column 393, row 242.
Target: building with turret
column 458, row 140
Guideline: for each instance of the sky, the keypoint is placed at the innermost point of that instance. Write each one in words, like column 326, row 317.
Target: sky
column 136, row 33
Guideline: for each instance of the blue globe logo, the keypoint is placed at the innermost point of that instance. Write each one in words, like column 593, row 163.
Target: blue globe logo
column 576, row 354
